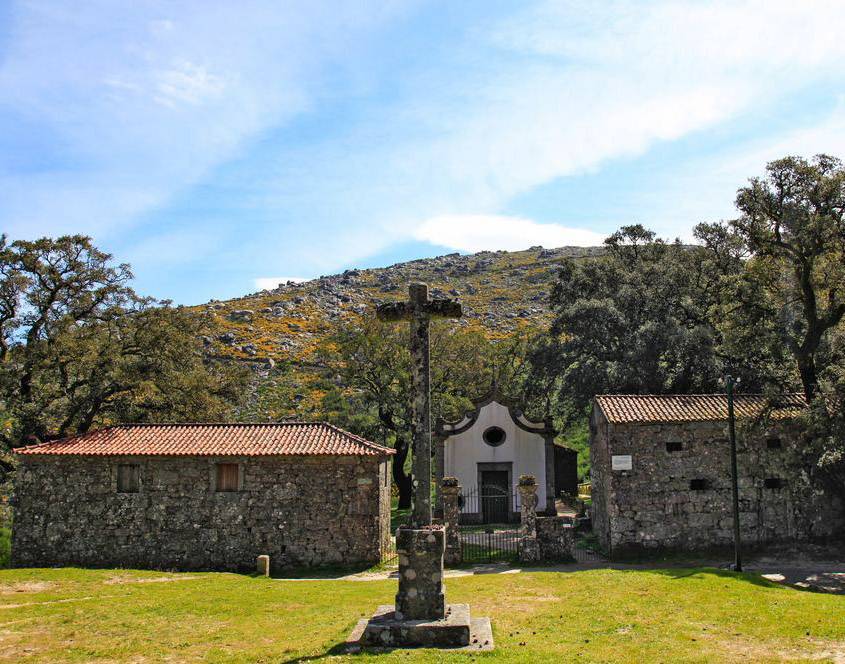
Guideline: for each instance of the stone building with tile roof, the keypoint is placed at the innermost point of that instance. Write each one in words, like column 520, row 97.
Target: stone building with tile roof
column 660, row 473
column 202, row 497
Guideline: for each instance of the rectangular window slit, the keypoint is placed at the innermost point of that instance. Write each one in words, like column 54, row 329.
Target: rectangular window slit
column 699, row 484
column 773, row 483
column 674, row 446
column 128, row 478
column 227, row 476
column 773, row 443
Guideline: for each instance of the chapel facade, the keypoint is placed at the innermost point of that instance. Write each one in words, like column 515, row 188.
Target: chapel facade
column 489, row 448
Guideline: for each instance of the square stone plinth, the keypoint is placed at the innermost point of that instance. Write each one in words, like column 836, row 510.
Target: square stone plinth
column 385, row 629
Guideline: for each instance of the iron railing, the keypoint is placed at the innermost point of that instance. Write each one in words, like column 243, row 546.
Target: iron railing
column 488, row 504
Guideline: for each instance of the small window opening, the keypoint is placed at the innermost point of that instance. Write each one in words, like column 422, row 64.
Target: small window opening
column 227, row 476
column 773, row 443
column 699, row 484
column 674, row 446
column 128, row 478
column 773, row 483
column 494, row 436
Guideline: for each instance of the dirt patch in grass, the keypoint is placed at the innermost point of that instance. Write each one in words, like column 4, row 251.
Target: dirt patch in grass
column 811, row 650
column 4, row 607
column 25, row 587
column 116, row 580
column 817, row 650
column 528, row 599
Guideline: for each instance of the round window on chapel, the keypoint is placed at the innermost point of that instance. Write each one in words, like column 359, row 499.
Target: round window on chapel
column 494, row 436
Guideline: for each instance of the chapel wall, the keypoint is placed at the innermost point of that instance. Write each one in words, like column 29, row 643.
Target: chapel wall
column 524, row 450
column 299, row 510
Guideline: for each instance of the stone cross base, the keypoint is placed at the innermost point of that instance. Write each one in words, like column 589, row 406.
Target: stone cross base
column 420, row 595
column 421, row 617
column 385, row 629
column 457, row 631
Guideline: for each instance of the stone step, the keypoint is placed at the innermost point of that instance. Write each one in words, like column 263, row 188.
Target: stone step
column 386, row 630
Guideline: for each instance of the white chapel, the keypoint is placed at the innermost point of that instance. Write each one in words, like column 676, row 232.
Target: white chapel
column 488, row 449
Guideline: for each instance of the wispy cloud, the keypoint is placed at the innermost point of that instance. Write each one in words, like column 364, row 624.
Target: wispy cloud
column 143, row 104
column 492, row 232
column 554, row 91
column 301, row 138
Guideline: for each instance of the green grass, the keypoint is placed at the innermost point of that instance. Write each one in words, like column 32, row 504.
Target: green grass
column 679, row 615
column 5, row 545
column 577, row 437
column 5, row 528
column 398, row 517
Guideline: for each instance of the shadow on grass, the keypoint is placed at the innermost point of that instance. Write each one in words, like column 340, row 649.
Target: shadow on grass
column 328, row 572
column 334, row 651
column 685, row 573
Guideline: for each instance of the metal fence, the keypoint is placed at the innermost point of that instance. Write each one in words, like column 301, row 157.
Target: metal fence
column 389, row 557
column 488, row 504
column 489, row 545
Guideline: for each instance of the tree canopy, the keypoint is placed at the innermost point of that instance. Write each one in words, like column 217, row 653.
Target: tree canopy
column 79, row 347
column 372, row 396
column 761, row 297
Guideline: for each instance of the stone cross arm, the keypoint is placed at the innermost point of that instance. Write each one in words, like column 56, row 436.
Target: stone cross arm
column 418, row 311
column 436, row 308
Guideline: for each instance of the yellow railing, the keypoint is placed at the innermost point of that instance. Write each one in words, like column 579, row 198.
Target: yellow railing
column 584, row 490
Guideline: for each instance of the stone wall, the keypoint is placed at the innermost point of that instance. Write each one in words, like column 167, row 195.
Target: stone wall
column 681, row 499
column 556, row 539
column 299, row 510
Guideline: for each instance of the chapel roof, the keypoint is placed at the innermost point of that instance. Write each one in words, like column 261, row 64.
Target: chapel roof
column 655, row 408
column 446, row 429
column 268, row 439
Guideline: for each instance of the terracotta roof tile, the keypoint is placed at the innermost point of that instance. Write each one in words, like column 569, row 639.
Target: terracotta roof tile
column 643, row 408
column 286, row 438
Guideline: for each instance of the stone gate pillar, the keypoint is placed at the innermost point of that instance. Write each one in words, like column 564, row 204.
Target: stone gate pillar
column 451, row 491
column 529, row 548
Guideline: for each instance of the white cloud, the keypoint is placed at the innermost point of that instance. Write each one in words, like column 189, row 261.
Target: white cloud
column 582, row 86
column 128, row 110
column 187, row 83
column 704, row 187
column 478, row 232
column 558, row 90
column 269, row 283
column 185, row 120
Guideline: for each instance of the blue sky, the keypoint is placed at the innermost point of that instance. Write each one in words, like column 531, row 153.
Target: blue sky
column 221, row 146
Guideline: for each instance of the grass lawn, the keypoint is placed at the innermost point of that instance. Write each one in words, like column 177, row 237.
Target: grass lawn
column 5, row 545
column 695, row 615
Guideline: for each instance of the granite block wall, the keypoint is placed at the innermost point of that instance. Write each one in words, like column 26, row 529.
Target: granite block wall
column 677, row 494
column 299, row 510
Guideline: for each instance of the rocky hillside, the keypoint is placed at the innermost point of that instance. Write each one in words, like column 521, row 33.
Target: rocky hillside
column 284, row 326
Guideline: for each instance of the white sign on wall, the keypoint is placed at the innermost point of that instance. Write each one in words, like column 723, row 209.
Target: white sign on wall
column 621, row 462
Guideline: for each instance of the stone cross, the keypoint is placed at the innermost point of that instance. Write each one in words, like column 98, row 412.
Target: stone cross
column 419, row 310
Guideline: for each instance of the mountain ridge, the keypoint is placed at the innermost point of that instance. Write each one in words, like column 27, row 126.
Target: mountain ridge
column 277, row 332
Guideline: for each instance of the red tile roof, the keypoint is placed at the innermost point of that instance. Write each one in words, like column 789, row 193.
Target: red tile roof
column 645, row 408
column 285, row 438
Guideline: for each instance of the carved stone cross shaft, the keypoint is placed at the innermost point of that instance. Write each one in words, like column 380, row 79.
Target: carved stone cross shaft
column 419, row 310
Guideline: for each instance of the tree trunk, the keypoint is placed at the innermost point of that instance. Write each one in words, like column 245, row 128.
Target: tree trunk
column 809, row 378
column 402, row 479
